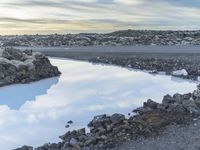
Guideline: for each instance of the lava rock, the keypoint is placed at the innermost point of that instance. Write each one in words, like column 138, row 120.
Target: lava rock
column 167, row 100
column 117, row 118
column 99, row 121
column 70, row 122
column 23, row 67
column 151, row 104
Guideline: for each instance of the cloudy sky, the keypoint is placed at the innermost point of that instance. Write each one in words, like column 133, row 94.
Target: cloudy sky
column 72, row 16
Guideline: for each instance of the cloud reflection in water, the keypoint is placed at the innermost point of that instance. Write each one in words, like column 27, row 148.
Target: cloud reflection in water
column 14, row 96
column 83, row 90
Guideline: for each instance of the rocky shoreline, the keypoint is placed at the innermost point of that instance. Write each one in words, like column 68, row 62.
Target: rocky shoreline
column 24, row 66
column 176, row 62
column 109, row 132
column 178, row 66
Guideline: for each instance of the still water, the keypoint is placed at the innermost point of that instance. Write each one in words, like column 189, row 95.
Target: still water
column 36, row 113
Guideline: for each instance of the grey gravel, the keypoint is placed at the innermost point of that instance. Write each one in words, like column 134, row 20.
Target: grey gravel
column 179, row 137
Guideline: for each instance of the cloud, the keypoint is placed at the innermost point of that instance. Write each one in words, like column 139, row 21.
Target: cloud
column 61, row 16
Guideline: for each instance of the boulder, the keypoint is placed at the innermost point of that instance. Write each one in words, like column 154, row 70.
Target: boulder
column 150, row 104
column 99, row 121
column 24, row 66
column 178, row 73
column 167, row 100
column 178, row 97
column 73, row 142
column 117, row 118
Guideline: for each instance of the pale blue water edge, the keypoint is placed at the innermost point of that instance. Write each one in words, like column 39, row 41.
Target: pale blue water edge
column 36, row 113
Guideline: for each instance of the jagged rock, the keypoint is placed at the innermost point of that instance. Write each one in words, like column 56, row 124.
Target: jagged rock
column 142, row 110
column 99, row 121
column 25, row 147
column 178, row 97
column 150, row 104
column 23, row 67
column 117, row 118
column 191, row 106
column 197, row 101
column 167, row 100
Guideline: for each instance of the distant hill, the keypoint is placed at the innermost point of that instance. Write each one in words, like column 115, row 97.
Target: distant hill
column 134, row 33
column 118, row 38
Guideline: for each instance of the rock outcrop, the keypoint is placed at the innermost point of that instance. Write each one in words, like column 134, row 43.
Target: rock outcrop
column 24, row 66
column 107, row 132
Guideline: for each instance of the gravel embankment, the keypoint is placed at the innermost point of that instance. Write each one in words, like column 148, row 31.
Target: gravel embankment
column 176, row 137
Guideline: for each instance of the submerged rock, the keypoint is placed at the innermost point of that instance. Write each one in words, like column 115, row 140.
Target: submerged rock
column 24, row 66
column 70, row 122
column 182, row 72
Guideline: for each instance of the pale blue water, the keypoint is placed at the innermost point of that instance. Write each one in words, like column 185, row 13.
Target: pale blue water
column 15, row 96
column 36, row 113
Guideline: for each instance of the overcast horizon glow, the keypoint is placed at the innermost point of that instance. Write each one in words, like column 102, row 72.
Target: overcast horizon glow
column 75, row 16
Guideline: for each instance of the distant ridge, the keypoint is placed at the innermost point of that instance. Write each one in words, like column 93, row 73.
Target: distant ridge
column 131, row 32
column 117, row 38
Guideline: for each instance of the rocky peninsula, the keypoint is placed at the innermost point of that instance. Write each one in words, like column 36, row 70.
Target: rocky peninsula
column 186, row 67
column 24, row 66
column 150, row 120
column 179, row 61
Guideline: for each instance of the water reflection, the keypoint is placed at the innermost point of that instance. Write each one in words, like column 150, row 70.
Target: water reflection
column 15, row 96
column 83, row 90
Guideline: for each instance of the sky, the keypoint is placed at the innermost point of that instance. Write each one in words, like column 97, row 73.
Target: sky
column 75, row 16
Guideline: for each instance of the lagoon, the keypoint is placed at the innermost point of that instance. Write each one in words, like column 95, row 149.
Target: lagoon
column 36, row 113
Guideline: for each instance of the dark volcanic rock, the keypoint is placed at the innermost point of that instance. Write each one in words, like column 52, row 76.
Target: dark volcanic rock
column 167, row 100
column 151, row 104
column 117, row 118
column 25, row 148
column 23, row 67
column 70, row 122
